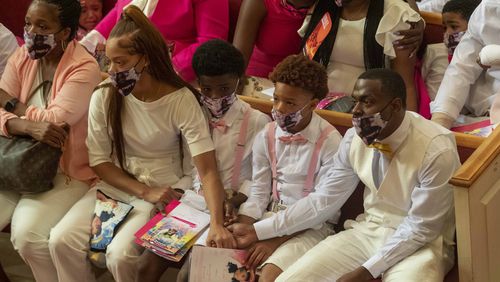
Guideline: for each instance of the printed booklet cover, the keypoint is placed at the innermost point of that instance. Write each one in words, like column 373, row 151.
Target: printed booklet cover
column 217, row 264
column 172, row 235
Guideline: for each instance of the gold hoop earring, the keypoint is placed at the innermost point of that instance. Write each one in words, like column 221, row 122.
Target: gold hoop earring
column 64, row 45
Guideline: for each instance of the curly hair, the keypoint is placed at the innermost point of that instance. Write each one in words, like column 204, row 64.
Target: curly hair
column 217, row 57
column 462, row 7
column 299, row 71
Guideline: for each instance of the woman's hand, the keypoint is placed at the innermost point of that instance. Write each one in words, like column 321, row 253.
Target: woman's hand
column 412, row 37
column 156, row 195
column 220, row 237
column 49, row 133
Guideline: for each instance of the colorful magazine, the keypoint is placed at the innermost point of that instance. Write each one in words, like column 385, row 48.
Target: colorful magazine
column 216, row 264
column 173, row 234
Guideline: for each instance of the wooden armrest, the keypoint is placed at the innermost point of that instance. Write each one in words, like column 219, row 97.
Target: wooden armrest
column 478, row 161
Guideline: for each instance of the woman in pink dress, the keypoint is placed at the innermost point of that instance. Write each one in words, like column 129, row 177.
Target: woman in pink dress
column 185, row 24
column 266, row 32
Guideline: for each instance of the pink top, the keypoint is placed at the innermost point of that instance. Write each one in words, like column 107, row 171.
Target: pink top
column 277, row 38
column 76, row 76
column 185, row 23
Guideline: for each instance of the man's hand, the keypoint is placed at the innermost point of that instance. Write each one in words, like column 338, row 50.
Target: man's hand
column 260, row 252
column 220, row 237
column 244, row 233
column 357, row 275
column 412, row 37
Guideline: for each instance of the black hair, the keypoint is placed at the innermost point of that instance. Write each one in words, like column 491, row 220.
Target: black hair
column 373, row 52
column 218, row 57
column 69, row 14
column 391, row 82
column 105, row 216
column 462, row 7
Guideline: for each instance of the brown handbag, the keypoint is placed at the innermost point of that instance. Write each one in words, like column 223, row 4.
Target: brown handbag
column 26, row 165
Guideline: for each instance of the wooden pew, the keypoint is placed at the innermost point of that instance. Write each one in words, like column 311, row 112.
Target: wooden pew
column 466, row 145
column 477, row 212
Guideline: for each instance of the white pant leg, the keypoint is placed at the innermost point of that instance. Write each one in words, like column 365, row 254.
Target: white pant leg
column 430, row 264
column 33, row 219
column 69, row 241
column 8, row 202
column 123, row 253
column 294, row 248
column 333, row 257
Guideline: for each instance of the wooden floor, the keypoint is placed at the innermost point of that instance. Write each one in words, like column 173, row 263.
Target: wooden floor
column 18, row 271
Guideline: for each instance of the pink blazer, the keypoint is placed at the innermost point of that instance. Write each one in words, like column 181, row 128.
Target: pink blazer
column 75, row 78
column 185, row 24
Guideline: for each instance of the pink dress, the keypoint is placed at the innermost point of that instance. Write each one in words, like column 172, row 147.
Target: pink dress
column 277, row 38
column 185, row 24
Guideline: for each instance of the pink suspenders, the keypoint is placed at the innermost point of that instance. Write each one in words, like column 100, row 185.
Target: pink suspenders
column 309, row 184
column 239, row 152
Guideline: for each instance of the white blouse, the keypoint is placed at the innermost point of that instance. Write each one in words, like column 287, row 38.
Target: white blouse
column 151, row 132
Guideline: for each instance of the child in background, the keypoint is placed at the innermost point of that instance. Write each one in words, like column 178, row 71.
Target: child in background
column 219, row 68
column 90, row 16
column 288, row 158
column 456, row 14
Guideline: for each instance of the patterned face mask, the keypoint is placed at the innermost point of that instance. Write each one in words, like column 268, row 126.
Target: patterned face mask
column 39, row 45
column 451, row 40
column 125, row 81
column 218, row 107
column 287, row 121
column 368, row 128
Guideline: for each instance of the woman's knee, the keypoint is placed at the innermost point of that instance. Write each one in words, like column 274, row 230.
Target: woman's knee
column 25, row 240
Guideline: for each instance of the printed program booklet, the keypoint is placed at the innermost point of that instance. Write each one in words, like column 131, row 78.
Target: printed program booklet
column 172, row 235
column 217, row 264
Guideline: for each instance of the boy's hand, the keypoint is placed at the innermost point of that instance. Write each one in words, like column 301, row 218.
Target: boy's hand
column 260, row 252
column 230, row 215
column 244, row 233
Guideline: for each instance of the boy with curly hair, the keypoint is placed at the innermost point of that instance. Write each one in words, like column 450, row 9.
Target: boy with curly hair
column 288, row 160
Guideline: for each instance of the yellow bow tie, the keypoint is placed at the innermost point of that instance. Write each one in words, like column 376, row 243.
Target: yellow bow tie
column 384, row 148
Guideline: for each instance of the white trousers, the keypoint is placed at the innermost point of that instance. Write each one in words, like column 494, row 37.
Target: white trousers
column 291, row 250
column 33, row 216
column 69, row 239
column 349, row 249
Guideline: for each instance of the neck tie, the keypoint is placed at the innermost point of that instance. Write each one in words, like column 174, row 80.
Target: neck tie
column 219, row 125
column 298, row 138
column 383, row 148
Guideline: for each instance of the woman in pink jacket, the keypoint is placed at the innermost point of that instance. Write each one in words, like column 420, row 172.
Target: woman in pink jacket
column 185, row 25
column 45, row 90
